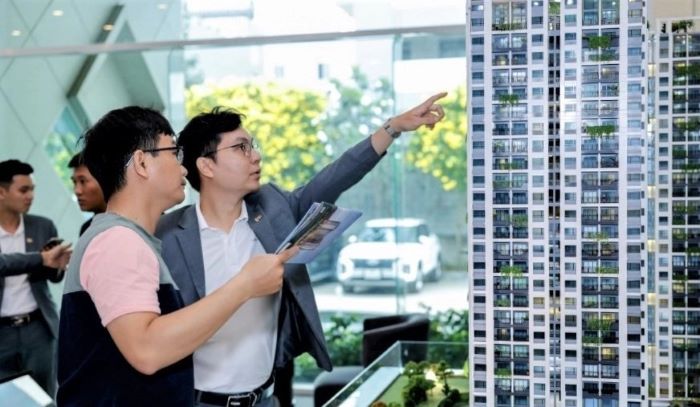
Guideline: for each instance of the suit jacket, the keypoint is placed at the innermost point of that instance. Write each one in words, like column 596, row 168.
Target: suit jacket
column 272, row 214
column 37, row 231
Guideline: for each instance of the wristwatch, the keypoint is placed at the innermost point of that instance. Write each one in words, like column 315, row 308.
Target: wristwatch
column 392, row 132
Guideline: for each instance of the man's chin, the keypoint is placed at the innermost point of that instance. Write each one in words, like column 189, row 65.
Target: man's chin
column 255, row 187
column 177, row 199
column 180, row 198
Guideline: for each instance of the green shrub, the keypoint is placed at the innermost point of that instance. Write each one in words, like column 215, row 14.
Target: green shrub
column 344, row 340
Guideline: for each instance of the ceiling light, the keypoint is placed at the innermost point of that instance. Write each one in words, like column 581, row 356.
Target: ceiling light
column 57, row 13
column 108, row 27
column 16, row 33
column 162, row 6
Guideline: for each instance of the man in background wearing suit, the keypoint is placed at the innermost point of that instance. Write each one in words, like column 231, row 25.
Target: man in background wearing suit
column 86, row 189
column 205, row 244
column 28, row 319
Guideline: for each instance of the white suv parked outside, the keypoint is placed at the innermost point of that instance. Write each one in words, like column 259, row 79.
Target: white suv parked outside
column 376, row 257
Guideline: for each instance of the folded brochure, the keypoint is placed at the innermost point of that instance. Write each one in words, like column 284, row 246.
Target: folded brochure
column 321, row 224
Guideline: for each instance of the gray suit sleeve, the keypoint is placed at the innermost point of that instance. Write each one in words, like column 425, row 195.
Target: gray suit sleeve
column 19, row 263
column 336, row 178
column 12, row 264
column 53, row 275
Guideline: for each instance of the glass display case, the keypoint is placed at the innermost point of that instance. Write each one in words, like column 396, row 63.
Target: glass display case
column 384, row 380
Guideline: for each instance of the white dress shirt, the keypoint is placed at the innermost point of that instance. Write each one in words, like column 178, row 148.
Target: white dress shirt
column 240, row 356
column 17, row 297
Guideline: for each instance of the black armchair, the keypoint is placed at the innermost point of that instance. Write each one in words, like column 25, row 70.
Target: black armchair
column 378, row 335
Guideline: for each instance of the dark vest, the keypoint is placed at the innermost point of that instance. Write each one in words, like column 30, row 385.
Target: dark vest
column 91, row 370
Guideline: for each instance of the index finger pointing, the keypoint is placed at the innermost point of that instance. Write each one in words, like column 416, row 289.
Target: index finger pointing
column 434, row 98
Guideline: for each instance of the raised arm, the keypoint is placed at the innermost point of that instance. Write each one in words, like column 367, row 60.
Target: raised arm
column 360, row 159
column 427, row 114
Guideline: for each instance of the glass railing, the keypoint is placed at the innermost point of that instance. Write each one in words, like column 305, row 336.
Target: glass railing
column 384, row 379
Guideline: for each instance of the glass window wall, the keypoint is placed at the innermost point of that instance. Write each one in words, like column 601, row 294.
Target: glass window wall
column 307, row 96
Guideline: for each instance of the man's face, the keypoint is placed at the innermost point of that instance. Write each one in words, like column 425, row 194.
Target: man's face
column 237, row 166
column 167, row 173
column 87, row 190
column 18, row 196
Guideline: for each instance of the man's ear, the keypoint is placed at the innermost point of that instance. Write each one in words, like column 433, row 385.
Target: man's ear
column 139, row 163
column 205, row 167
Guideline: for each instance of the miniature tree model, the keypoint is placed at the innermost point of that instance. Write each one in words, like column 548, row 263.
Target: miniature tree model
column 442, row 371
column 452, row 396
column 416, row 391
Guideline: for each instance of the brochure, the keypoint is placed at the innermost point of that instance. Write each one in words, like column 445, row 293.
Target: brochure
column 321, row 224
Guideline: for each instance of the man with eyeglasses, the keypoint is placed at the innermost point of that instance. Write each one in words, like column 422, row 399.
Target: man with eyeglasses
column 235, row 218
column 125, row 336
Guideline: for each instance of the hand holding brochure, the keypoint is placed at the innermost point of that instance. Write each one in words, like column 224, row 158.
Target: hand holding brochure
column 321, row 224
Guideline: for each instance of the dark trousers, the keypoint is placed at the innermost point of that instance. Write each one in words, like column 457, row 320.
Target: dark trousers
column 284, row 379
column 29, row 347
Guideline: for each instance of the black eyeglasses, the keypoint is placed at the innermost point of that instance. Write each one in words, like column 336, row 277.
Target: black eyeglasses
column 246, row 147
column 179, row 153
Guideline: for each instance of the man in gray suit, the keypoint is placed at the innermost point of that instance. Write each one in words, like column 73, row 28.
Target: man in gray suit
column 204, row 245
column 28, row 319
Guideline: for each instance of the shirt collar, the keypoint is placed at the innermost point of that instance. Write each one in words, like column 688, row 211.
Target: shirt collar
column 20, row 229
column 203, row 225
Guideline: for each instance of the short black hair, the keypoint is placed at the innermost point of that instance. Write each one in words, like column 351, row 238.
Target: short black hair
column 202, row 135
column 10, row 168
column 110, row 143
column 76, row 161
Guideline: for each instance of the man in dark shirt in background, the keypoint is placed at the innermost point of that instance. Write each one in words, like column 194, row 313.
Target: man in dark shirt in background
column 86, row 189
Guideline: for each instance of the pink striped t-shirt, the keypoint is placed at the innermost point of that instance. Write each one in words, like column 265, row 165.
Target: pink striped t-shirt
column 120, row 272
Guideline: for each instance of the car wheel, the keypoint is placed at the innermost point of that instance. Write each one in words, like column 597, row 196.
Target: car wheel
column 347, row 289
column 417, row 285
column 437, row 271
